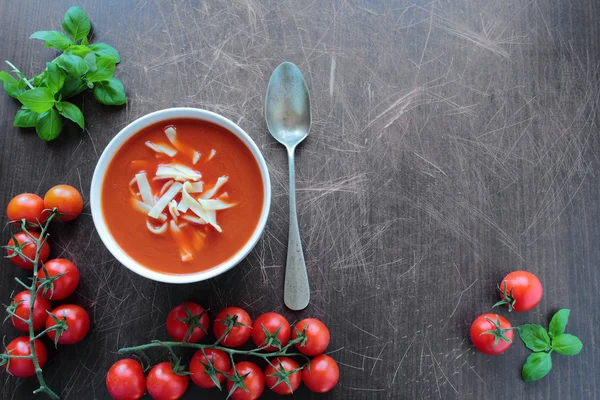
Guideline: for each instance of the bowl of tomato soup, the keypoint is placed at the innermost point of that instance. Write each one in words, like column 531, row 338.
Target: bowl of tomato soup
column 180, row 195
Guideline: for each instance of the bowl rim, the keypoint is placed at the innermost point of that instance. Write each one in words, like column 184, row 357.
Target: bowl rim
column 117, row 142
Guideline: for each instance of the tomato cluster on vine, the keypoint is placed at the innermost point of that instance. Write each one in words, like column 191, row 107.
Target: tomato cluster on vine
column 213, row 365
column 31, row 310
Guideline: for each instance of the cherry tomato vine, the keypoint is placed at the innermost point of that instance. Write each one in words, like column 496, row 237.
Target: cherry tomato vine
column 17, row 251
column 243, row 379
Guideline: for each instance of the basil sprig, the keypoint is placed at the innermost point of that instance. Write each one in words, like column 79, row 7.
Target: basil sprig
column 81, row 66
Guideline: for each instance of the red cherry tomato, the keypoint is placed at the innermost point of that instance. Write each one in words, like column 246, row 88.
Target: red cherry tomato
column 66, row 283
column 23, row 367
column 239, row 334
column 283, row 365
column 521, row 290
column 164, row 384
column 29, row 249
column 220, row 361
column 322, row 375
column 125, row 380
column 26, row 206
column 271, row 322
column 78, row 322
column 254, row 381
column 66, row 199
column 180, row 319
column 317, row 336
column 21, row 306
column 491, row 334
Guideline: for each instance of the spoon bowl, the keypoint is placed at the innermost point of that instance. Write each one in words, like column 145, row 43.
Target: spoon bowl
column 287, row 105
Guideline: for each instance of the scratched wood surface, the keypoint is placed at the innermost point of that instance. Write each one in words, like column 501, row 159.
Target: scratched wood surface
column 452, row 142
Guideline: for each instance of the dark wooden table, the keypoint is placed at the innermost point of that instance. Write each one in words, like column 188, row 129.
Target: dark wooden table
column 452, row 142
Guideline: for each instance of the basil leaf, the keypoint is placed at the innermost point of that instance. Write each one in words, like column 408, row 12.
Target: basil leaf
column 536, row 367
column 10, row 84
column 566, row 344
column 559, row 322
column 54, row 78
column 38, row 79
column 72, row 64
column 79, row 50
column 534, row 336
column 39, row 99
column 48, row 124
column 76, row 23
column 25, row 118
column 110, row 92
column 105, row 50
column 71, row 111
column 90, row 60
column 105, row 69
column 53, row 39
column 72, row 87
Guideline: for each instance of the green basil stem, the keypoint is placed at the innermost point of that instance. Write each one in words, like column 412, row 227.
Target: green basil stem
column 15, row 69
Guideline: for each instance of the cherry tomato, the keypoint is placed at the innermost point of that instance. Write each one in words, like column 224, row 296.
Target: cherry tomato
column 322, row 375
column 23, row 367
column 491, row 334
column 78, row 322
column 21, row 306
column 29, row 249
column 317, row 336
column 220, row 361
column 180, row 319
column 164, row 384
column 26, row 206
column 283, row 365
column 254, row 381
column 521, row 290
column 66, row 199
column 271, row 322
column 239, row 334
column 66, row 283
column 125, row 380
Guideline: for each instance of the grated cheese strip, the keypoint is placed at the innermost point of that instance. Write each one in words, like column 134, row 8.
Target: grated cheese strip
column 213, row 152
column 184, row 251
column 196, row 187
column 163, row 202
column 211, row 218
column 145, row 190
column 194, row 220
column 131, row 182
column 196, row 157
column 173, row 209
column 182, row 207
column 198, row 239
column 162, row 148
column 215, row 204
column 178, row 172
column 165, row 187
column 171, row 133
column 208, row 216
column 145, row 208
column 157, row 231
column 220, row 182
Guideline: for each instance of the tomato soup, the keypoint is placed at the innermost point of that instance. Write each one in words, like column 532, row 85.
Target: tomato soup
column 182, row 196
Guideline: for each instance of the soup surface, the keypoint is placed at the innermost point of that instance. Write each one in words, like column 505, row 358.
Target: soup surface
column 212, row 186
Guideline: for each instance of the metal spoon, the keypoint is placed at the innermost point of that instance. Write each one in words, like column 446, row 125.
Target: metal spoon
column 287, row 111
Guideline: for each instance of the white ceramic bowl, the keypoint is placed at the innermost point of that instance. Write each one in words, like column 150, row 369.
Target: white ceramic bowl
column 129, row 131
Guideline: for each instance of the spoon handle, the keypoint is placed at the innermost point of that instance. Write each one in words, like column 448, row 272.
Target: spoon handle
column 296, row 293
